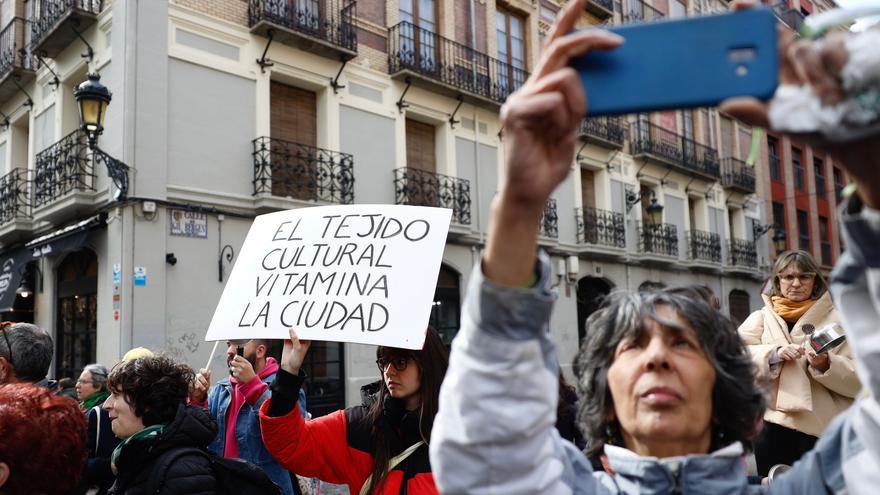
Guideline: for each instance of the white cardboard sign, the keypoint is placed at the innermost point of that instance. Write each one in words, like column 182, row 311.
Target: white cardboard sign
column 352, row 273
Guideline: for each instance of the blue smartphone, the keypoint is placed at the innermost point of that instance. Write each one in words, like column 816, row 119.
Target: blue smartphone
column 683, row 63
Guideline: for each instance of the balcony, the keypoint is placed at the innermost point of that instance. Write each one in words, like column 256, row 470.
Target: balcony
column 738, row 175
column 550, row 220
column 659, row 239
column 15, row 205
column 675, row 151
column 602, row 9
column 283, row 169
column 600, row 230
column 742, row 255
column 638, row 11
column 442, row 65
column 609, row 132
column 64, row 178
column 704, row 247
column 325, row 27
column 15, row 63
column 54, row 23
column 423, row 188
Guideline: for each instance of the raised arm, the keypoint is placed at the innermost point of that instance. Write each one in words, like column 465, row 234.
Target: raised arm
column 494, row 432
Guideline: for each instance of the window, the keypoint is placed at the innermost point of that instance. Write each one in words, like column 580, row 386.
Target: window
column 779, row 217
column 825, row 240
column 420, row 147
column 446, row 311
column 294, row 130
column 418, row 38
column 803, row 230
column 773, row 154
column 838, row 184
column 510, row 29
column 796, row 156
column 819, row 173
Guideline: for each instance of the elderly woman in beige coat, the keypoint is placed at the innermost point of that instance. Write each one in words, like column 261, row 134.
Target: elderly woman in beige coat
column 805, row 390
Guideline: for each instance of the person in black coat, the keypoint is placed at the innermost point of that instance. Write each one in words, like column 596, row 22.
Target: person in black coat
column 148, row 412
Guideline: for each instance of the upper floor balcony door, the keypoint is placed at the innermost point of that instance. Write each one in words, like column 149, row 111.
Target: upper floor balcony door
column 418, row 40
column 294, row 127
column 510, row 29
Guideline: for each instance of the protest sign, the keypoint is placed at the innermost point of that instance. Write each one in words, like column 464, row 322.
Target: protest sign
column 347, row 273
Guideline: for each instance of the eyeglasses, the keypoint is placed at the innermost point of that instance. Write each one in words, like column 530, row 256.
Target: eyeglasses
column 83, row 382
column 399, row 363
column 802, row 278
column 4, row 327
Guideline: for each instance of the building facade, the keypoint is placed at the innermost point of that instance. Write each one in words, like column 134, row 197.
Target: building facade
column 227, row 109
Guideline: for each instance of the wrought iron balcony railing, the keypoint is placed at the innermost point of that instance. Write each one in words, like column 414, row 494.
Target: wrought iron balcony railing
column 329, row 21
column 47, row 15
column 12, row 47
column 742, row 253
column 62, row 168
column 658, row 238
column 704, row 246
column 286, row 169
column 737, row 174
column 550, row 220
column 14, row 196
column 423, row 188
column 416, row 50
column 638, row 10
column 600, row 227
column 676, row 150
column 610, row 130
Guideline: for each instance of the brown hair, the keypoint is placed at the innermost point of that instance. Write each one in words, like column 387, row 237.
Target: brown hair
column 806, row 263
column 432, row 361
column 155, row 386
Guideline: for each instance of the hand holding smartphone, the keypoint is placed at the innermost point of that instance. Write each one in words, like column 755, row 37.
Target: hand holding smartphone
column 683, row 63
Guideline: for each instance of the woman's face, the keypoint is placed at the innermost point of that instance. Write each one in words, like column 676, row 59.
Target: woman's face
column 85, row 386
column 403, row 379
column 123, row 420
column 796, row 284
column 661, row 385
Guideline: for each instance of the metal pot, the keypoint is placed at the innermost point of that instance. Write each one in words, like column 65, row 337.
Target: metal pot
column 827, row 338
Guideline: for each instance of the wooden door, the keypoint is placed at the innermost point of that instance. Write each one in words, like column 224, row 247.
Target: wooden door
column 294, row 130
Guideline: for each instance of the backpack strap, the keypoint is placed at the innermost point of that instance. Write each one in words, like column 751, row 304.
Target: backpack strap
column 97, row 411
column 393, row 463
column 160, row 469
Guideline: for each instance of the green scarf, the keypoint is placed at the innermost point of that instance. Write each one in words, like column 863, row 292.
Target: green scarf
column 94, row 400
column 149, row 432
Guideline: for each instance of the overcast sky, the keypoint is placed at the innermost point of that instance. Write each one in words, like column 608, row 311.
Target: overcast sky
column 862, row 24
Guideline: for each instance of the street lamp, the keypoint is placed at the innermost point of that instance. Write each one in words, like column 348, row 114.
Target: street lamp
column 92, row 97
column 655, row 212
column 779, row 238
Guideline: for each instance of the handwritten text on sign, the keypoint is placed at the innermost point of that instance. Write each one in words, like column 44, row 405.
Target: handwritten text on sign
column 354, row 273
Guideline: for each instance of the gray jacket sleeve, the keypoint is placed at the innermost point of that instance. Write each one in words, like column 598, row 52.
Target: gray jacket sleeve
column 494, row 432
column 848, row 454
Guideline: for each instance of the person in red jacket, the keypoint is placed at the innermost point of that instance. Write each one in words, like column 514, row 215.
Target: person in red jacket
column 377, row 448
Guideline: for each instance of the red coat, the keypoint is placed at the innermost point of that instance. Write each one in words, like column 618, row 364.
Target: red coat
column 337, row 448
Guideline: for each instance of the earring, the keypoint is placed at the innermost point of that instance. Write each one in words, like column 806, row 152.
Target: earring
column 609, row 435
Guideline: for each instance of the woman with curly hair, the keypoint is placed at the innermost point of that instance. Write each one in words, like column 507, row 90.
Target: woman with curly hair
column 148, row 412
column 42, row 441
column 380, row 447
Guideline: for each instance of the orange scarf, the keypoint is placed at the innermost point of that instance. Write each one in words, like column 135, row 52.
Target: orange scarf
column 789, row 310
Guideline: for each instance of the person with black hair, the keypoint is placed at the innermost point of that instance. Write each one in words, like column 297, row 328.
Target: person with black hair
column 148, row 412
column 236, row 400
column 375, row 448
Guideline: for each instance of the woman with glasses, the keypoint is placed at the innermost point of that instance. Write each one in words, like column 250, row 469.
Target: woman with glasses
column 379, row 447
column 806, row 390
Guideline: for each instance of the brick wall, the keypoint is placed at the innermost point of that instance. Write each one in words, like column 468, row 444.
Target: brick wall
column 235, row 11
column 372, row 10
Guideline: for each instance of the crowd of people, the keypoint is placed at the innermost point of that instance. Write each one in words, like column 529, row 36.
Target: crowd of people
column 670, row 395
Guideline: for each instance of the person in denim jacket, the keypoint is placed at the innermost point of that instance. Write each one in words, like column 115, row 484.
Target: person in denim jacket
column 237, row 400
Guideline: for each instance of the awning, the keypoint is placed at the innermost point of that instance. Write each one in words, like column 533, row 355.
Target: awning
column 13, row 264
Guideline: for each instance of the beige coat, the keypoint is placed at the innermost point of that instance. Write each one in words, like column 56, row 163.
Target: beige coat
column 799, row 397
